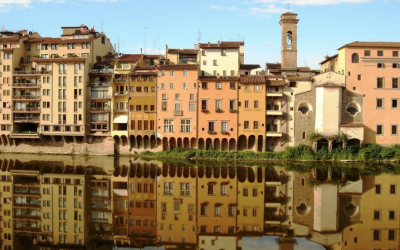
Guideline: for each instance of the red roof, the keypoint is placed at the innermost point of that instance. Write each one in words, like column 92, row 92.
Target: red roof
column 178, row 66
column 60, row 59
column 252, row 79
column 130, row 58
column 249, row 66
column 221, row 45
column 182, row 51
column 221, row 78
column 58, row 40
column 373, row 44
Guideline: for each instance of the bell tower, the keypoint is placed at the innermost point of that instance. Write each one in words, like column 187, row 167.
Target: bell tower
column 288, row 24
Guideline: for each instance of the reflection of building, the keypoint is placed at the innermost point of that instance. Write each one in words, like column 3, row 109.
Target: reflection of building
column 138, row 204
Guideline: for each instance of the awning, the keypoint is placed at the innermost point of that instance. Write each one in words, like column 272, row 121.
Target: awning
column 121, row 119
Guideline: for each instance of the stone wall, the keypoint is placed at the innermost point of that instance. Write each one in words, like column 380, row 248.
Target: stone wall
column 304, row 122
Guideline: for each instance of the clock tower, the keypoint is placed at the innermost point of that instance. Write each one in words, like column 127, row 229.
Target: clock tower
column 288, row 24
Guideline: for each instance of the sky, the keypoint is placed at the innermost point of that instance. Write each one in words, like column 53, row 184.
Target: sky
column 325, row 25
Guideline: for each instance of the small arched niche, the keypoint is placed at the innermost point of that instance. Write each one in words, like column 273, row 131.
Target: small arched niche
column 353, row 108
column 351, row 210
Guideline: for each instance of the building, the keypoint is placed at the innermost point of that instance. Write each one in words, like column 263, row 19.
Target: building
column 177, row 111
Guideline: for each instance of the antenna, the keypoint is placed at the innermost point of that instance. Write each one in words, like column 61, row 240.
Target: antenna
column 288, row 6
column 32, row 27
column 102, row 25
column 305, row 63
column 199, row 36
column 154, row 52
column 145, row 29
column 239, row 36
column 159, row 52
column 118, row 45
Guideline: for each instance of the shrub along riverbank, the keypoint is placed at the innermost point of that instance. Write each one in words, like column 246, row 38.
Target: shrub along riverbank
column 373, row 152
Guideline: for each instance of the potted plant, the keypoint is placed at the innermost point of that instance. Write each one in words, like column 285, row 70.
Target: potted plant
column 225, row 132
column 232, row 110
column 204, row 110
column 212, row 132
column 219, row 110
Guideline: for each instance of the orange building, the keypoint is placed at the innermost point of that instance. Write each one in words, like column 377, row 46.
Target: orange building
column 177, row 97
column 217, row 112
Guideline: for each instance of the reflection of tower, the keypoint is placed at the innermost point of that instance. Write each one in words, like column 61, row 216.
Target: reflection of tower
column 286, row 243
column 288, row 23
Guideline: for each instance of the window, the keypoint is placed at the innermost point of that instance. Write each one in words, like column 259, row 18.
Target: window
column 395, row 65
column 168, row 188
column 244, row 211
column 204, row 62
column 255, row 125
column 246, row 104
column 218, row 85
column 245, row 192
column 217, row 229
column 217, row 210
column 392, row 215
column 164, row 106
column 224, row 126
column 215, row 63
column 162, row 72
column 395, row 53
column 377, row 235
column 379, row 131
column 171, row 85
column 379, row 103
column 380, row 53
column 395, row 83
column 185, row 85
column 367, row 53
column 377, row 189
column 211, row 188
column 232, row 85
column 392, row 189
column 185, row 189
column 171, row 73
column 352, row 110
column 391, row 235
column 292, row 84
column 211, row 126
column 355, row 58
column 203, row 210
column 246, row 124
column 377, row 215
column 379, row 83
column 246, row 87
column 185, row 125
column 218, row 104
column 204, row 85
column 185, row 72
column 204, row 104
column 168, row 125
column 256, row 104
column 380, row 65
column 359, row 77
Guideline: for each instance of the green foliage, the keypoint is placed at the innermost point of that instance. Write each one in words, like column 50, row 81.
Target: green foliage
column 314, row 136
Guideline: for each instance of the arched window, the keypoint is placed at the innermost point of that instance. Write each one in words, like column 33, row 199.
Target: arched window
column 289, row 38
column 353, row 108
column 304, row 108
column 354, row 58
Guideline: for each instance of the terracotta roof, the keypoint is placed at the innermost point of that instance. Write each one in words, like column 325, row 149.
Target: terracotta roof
column 8, row 50
column 351, row 125
column 144, row 73
column 273, row 65
column 275, row 70
column 328, row 58
column 298, row 78
column 145, row 68
column 373, row 44
column 60, row 59
column 58, row 40
column 276, row 82
column 7, row 39
column 329, row 84
column 222, row 78
column 130, row 58
column 303, row 69
column 178, row 66
column 274, row 76
column 221, row 45
column 249, row 66
column 182, row 51
column 252, row 79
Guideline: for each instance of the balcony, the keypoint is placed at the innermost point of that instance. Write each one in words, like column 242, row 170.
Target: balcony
column 28, row 204
column 27, row 191
column 101, row 71
column 95, row 120
column 274, row 112
column 99, row 109
column 33, row 72
column 100, row 97
column 274, row 93
column 273, row 134
column 29, row 229
column 26, row 85
column 24, row 134
column 26, row 110
column 178, row 112
column 100, row 84
column 26, row 97
column 120, row 94
column 26, row 119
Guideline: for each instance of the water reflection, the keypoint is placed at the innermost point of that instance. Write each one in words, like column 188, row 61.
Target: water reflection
column 107, row 203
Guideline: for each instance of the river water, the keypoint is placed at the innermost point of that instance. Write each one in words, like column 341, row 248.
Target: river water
column 63, row 202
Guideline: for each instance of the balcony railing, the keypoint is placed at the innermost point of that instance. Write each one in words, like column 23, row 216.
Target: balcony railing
column 28, row 132
column 26, row 97
column 32, row 72
column 178, row 112
column 120, row 80
column 26, row 85
column 120, row 111
column 100, row 97
column 102, row 71
column 35, row 109
column 22, row 118
column 99, row 120
column 100, row 84
column 99, row 109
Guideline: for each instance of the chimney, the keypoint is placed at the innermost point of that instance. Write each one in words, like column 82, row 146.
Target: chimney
column 217, row 75
column 140, row 50
column 209, row 45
